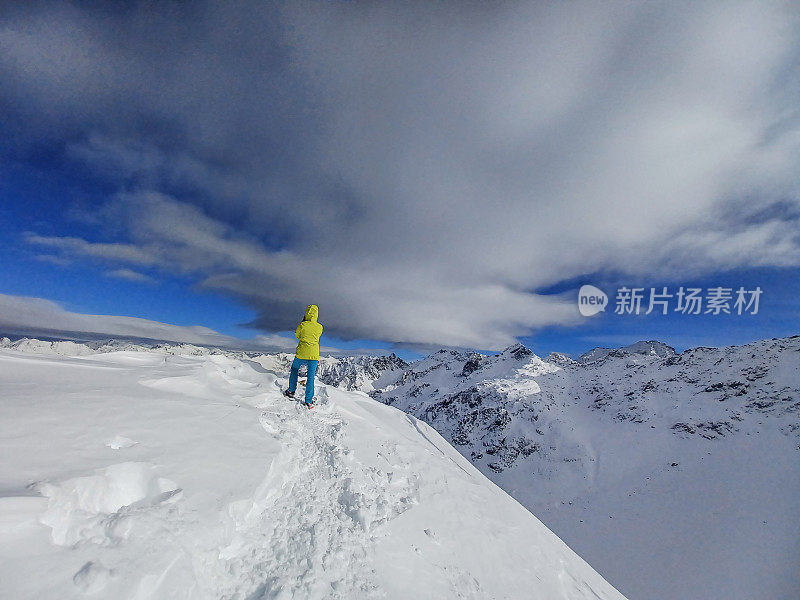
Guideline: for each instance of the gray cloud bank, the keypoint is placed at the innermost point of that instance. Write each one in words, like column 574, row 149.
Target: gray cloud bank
column 22, row 315
column 19, row 314
column 417, row 169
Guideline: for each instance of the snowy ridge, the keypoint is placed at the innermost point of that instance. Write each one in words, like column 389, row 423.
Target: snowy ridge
column 183, row 476
column 581, row 442
column 645, row 348
column 363, row 373
column 72, row 348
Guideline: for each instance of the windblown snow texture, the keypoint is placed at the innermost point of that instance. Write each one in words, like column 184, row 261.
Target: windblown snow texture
column 161, row 474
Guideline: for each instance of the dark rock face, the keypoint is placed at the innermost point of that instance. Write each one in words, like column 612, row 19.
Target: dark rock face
column 709, row 430
column 517, row 352
column 477, row 419
column 475, row 362
column 508, row 451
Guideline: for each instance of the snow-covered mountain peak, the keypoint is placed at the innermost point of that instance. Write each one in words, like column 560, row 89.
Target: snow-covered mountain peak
column 516, row 351
column 560, row 359
column 651, row 348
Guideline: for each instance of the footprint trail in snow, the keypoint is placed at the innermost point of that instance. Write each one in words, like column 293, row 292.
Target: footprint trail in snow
column 193, row 477
column 308, row 530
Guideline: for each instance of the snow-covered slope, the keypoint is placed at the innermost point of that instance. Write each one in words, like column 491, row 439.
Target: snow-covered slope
column 677, row 475
column 363, row 373
column 141, row 474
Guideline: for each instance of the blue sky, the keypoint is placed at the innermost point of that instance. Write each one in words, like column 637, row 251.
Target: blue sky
column 449, row 180
column 33, row 194
column 778, row 314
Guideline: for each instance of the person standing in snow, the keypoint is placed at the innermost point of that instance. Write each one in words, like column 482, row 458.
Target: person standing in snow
column 307, row 353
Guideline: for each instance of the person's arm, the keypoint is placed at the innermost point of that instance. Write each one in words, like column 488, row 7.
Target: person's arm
column 297, row 331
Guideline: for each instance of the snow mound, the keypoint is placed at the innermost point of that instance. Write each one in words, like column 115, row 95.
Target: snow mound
column 354, row 499
column 118, row 442
column 78, row 509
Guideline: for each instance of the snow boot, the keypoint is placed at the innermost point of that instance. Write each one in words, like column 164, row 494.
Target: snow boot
column 288, row 394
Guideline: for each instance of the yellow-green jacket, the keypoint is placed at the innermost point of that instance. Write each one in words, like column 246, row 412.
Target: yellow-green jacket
column 309, row 332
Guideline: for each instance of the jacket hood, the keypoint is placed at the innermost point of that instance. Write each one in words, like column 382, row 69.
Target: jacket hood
column 312, row 312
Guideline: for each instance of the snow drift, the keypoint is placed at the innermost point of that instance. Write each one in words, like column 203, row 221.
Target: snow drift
column 153, row 475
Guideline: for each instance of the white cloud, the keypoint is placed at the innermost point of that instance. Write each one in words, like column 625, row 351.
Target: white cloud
column 122, row 252
column 37, row 316
column 419, row 170
column 19, row 314
column 131, row 275
column 59, row 261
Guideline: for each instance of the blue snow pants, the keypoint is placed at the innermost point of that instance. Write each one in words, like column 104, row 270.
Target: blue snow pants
column 312, row 370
